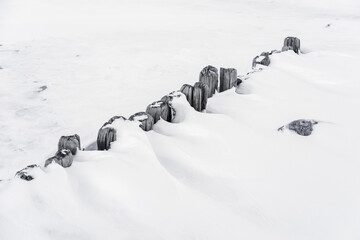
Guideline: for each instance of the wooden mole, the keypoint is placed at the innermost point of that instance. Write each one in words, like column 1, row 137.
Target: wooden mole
column 107, row 134
column 228, row 77
column 146, row 120
column 70, row 142
column 200, row 96
column 209, row 76
column 291, row 43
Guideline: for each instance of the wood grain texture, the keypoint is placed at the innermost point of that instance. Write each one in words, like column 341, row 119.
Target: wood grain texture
column 291, row 43
column 187, row 90
column 70, row 142
column 209, row 75
column 228, row 77
column 107, row 134
column 200, row 96
column 62, row 157
column 159, row 110
column 146, row 120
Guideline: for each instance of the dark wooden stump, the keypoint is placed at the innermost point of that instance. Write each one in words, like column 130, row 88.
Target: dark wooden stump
column 200, row 96
column 107, row 134
column 291, row 43
column 187, row 90
column 24, row 173
column 228, row 78
column 146, row 120
column 70, row 142
column 63, row 157
column 159, row 110
column 209, row 76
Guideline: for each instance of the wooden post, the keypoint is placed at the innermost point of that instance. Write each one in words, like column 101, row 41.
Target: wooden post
column 263, row 59
column 70, row 142
column 24, row 173
column 209, row 76
column 159, row 110
column 228, row 78
column 62, row 157
column 187, row 90
column 200, row 96
column 146, row 120
column 291, row 43
column 107, row 134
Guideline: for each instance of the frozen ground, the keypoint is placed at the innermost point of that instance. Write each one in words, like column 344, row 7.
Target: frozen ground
column 68, row 66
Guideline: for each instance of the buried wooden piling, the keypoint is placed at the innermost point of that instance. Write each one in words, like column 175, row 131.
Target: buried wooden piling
column 209, row 76
column 159, row 110
column 70, row 142
column 263, row 59
column 63, row 157
column 228, row 78
column 291, row 43
column 146, row 120
column 187, row 90
column 107, row 134
column 200, row 96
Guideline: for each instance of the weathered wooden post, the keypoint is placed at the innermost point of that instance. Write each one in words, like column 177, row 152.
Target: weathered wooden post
column 107, row 134
column 70, row 142
column 187, row 90
column 291, row 43
column 209, row 76
column 200, row 96
column 63, row 157
column 25, row 173
column 228, row 78
column 146, row 120
column 159, row 110
column 263, row 59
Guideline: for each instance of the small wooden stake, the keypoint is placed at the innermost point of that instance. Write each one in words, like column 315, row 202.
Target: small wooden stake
column 107, row 134
column 209, row 76
column 146, row 120
column 70, row 142
column 200, row 96
column 187, row 90
column 63, row 157
column 159, row 110
column 228, row 78
column 291, row 43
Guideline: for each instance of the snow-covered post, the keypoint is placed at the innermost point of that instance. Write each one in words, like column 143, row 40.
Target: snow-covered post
column 291, row 43
column 107, row 134
column 200, row 96
column 187, row 90
column 228, row 78
column 159, row 110
column 63, row 157
column 70, row 142
column 209, row 76
column 263, row 59
column 146, row 120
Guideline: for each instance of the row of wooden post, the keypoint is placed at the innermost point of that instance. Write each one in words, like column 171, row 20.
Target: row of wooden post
column 197, row 96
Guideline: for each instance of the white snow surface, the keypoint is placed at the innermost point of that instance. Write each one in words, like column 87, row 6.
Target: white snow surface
column 226, row 173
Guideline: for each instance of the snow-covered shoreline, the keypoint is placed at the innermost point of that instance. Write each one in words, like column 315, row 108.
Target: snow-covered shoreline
column 227, row 173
